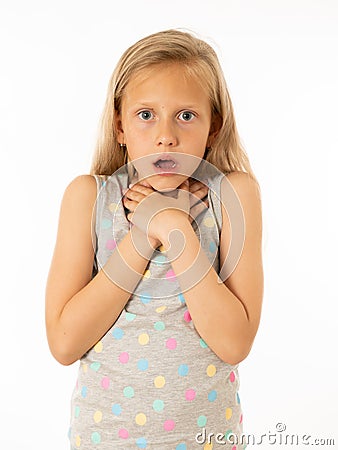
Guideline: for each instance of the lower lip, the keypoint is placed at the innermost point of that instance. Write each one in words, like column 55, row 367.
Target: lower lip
column 166, row 172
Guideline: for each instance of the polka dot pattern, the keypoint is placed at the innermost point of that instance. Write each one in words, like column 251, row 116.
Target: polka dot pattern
column 152, row 369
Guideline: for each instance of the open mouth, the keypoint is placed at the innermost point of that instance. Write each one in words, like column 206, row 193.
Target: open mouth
column 165, row 164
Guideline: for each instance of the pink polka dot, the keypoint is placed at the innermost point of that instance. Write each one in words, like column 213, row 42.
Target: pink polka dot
column 187, row 316
column 190, row 394
column 169, row 425
column 124, row 357
column 105, row 382
column 234, row 447
column 232, row 377
column 170, row 275
column 241, row 419
column 111, row 244
column 123, row 433
column 171, row 343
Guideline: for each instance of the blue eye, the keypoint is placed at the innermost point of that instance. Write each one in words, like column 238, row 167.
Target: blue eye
column 145, row 115
column 186, row 116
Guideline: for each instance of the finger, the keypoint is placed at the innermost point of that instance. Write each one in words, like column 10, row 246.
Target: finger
column 184, row 186
column 196, row 186
column 135, row 195
column 129, row 204
column 141, row 188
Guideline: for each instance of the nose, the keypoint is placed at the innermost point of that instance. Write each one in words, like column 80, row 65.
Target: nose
column 167, row 136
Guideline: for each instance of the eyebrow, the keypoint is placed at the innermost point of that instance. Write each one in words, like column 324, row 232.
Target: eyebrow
column 151, row 104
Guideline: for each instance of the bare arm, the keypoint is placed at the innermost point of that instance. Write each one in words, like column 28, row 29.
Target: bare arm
column 79, row 309
column 226, row 314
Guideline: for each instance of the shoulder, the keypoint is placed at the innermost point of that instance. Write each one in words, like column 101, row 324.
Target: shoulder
column 243, row 183
column 241, row 197
column 82, row 188
column 81, row 185
column 79, row 197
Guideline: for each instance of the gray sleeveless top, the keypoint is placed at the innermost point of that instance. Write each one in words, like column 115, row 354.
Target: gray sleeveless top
column 152, row 382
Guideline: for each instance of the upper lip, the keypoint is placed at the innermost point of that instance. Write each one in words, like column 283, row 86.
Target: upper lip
column 165, row 156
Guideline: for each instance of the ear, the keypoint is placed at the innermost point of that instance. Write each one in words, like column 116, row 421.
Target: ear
column 215, row 127
column 118, row 127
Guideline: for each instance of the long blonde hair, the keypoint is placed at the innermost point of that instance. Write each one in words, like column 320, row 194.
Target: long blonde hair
column 198, row 58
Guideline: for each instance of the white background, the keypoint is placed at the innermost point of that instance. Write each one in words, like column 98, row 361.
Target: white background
column 280, row 62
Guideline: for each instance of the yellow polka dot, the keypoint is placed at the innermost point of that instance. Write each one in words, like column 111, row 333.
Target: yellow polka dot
column 228, row 413
column 97, row 416
column 147, row 274
column 161, row 248
column 143, row 339
column 211, row 370
column 98, row 347
column 77, row 441
column 209, row 222
column 159, row 381
column 140, row 419
column 85, row 368
column 207, row 447
column 113, row 207
column 161, row 309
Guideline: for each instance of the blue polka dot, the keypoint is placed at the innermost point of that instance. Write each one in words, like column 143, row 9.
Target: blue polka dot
column 212, row 247
column 181, row 298
column 84, row 391
column 118, row 333
column 238, row 399
column 183, row 370
column 77, row 411
column 116, row 409
column 141, row 442
column 212, row 396
column 142, row 364
column 145, row 298
column 181, row 447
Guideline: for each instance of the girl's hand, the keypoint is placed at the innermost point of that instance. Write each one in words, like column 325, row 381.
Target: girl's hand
column 165, row 208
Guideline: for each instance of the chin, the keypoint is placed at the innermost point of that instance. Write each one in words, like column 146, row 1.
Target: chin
column 164, row 183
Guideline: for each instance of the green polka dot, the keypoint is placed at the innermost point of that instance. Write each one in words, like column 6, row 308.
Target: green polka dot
column 202, row 421
column 128, row 392
column 77, row 411
column 203, row 344
column 159, row 326
column 130, row 316
column 106, row 223
column 227, row 434
column 95, row 366
column 158, row 405
column 96, row 438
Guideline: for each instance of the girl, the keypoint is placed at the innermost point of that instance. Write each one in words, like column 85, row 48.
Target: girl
column 146, row 287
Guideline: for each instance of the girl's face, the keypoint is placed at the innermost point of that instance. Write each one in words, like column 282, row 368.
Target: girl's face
column 164, row 110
